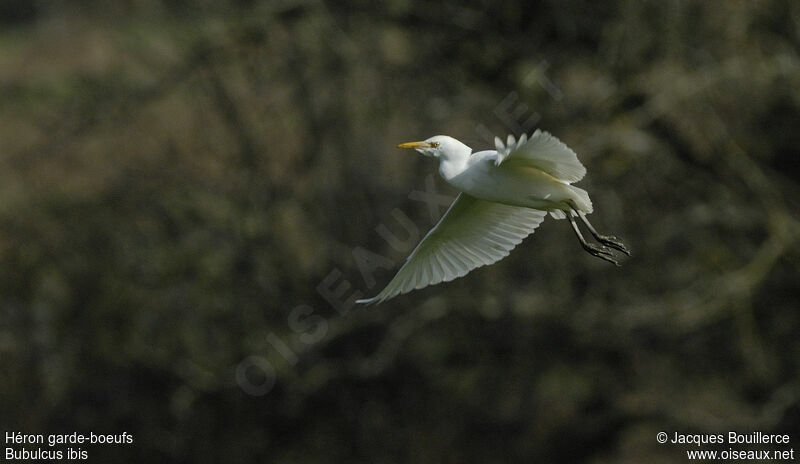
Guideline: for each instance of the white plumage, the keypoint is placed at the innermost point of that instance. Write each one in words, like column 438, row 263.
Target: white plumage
column 505, row 195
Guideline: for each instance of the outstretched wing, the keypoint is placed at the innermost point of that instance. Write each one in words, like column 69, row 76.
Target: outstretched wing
column 544, row 152
column 471, row 234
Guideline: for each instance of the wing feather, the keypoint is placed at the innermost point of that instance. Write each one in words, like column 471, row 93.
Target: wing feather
column 472, row 233
column 544, row 152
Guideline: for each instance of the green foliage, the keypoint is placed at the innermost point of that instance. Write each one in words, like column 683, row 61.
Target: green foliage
column 176, row 181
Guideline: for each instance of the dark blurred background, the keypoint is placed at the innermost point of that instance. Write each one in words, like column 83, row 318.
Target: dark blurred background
column 183, row 185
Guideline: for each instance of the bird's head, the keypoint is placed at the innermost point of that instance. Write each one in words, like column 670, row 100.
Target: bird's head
column 439, row 146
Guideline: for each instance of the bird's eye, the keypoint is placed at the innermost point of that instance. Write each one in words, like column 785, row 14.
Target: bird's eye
column 435, row 144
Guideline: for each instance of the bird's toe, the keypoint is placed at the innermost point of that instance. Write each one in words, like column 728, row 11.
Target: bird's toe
column 615, row 243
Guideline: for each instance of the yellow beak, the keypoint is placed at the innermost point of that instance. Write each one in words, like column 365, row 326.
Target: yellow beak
column 414, row 145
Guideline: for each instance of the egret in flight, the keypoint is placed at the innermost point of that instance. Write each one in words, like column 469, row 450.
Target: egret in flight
column 505, row 194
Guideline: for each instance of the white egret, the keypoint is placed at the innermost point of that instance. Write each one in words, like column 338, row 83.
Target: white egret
column 505, row 194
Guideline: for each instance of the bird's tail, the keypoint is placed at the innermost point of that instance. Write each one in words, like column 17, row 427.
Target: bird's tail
column 581, row 200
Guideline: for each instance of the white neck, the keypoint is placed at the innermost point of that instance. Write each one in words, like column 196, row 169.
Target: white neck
column 452, row 165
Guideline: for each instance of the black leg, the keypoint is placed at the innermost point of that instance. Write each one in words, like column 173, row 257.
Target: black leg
column 593, row 249
column 607, row 240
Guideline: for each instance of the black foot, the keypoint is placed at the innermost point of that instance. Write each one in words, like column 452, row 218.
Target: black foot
column 613, row 242
column 601, row 252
